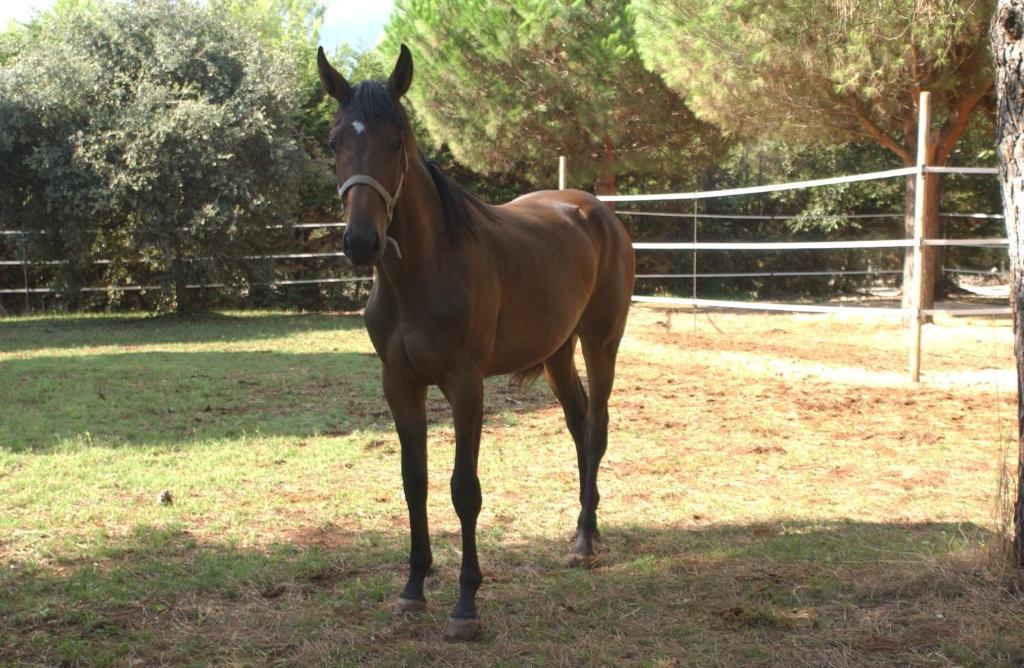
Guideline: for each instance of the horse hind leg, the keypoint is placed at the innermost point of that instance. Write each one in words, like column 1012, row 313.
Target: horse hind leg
column 564, row 380
column 600, row 341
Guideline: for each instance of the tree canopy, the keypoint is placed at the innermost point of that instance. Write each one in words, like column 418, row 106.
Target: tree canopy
column 158, row 134
column 829, row 71
column 510, row 85
column 165, row 136
column 824, row 70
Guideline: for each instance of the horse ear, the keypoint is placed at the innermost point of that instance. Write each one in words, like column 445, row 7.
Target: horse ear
column 401, row 77
column 331, row 79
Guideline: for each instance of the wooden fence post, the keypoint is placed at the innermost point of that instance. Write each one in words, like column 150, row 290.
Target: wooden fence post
column 917, row 285
column 24, row 266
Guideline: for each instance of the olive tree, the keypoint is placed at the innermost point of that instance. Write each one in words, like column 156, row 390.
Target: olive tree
column 158, row 134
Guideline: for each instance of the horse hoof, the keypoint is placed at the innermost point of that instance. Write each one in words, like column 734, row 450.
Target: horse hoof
column 456, row 629
column 583, row 560
column 596, row 536
column 411, row 604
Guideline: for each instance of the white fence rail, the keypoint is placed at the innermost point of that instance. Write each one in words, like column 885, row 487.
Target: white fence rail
column 190, row 286
column 26, row 290
column 656, row 246
column 871, row 311
column 758, row 190
column 915, row 313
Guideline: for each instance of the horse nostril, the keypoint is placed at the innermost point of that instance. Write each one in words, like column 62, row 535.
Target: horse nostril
column 376, row 243
column 344, row 244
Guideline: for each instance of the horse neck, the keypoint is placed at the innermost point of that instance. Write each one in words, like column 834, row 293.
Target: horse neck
column 418, row 228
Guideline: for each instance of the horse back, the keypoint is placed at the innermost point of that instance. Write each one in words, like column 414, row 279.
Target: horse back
column 575, row 213
column 556, row 255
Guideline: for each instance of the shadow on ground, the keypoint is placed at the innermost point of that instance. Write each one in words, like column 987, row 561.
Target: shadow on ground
column 842, row 593
column 81, row 331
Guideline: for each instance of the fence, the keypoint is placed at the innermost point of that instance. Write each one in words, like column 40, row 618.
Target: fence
column 915, row 314
column 27, row 289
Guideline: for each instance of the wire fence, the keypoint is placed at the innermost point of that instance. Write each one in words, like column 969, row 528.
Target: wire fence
column 640, row 246
column 914, row 245
column 27, row 289
column 773, row 246
column 914, row 313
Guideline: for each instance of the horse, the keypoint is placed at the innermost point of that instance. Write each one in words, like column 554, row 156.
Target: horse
column 464, row 290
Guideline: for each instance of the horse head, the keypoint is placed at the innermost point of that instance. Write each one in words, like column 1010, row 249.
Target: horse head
column 370, row 140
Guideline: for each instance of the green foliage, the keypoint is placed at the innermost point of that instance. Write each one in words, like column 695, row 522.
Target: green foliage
column 164, row 136
column 511, row 85
column 153, row 129
column 292, row 24
column 292, row 27
column 818, row 71
column 826, row 72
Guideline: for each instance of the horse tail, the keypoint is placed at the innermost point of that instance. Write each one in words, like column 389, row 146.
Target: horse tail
column 526, row 377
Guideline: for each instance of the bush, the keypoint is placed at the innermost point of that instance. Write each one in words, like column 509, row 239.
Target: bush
column 160, row 135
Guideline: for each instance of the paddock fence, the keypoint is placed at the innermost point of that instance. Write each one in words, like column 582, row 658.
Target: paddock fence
column 914, row 314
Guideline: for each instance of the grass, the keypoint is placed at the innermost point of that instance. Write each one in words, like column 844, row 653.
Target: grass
column 774, row 492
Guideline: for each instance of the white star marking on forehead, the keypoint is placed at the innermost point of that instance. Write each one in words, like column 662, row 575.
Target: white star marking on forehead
column 360, row 128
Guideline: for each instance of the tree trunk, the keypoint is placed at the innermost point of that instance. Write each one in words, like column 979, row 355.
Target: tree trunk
column 930, row 262
column 181, row 297
column 179, row 278
column 1008, row 55
column 605, row 184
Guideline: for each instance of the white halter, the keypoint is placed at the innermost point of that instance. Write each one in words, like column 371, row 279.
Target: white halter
column 390, row 200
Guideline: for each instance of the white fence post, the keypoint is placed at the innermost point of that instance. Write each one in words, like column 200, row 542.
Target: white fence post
column 695, row 225
column 561, row 172
column 917, row 284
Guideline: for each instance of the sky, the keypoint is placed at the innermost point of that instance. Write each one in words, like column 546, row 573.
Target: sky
column 355, row 22
column 358, row 22
column 20, row 10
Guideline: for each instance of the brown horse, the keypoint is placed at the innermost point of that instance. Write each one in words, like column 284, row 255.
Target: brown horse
column 464, row 290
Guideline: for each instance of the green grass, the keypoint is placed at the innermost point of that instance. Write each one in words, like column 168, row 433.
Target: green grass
column 762, row 503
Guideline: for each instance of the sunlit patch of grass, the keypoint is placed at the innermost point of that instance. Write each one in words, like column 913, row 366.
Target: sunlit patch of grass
column 774, row 492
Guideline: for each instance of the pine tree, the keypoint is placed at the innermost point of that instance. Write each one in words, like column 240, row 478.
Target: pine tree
column 828, row 71
column 1008, row 55
column 511, row 85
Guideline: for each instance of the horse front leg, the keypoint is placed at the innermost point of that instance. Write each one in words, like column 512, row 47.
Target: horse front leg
column 465, row 394
column 408, row 408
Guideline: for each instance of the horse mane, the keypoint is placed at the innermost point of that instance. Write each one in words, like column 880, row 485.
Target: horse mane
column 457, row 203
column 377, row 107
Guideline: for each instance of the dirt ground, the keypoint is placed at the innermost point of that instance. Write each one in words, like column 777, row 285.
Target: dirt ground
column 775, row 491
column 781, row 393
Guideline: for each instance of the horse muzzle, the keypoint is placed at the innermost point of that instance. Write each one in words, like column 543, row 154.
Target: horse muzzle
column 362, row 248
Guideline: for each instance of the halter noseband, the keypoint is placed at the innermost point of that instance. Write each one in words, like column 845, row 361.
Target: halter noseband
column 390, row 200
